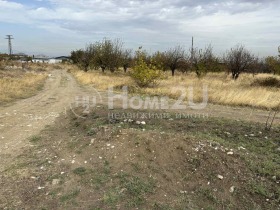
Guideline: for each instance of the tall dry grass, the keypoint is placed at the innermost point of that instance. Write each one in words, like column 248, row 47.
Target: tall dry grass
column 221, row 88
column 16, row 84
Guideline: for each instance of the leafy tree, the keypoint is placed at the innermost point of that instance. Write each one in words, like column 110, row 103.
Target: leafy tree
column 126, row 59
column 158, row 59
column 145, row 74
column 109, row 54
column 84, row 58
column 238, row 60
column 273, row 64
column 204, row 61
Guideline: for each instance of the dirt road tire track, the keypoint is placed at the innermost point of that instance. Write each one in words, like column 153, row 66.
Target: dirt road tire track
column 28, row 117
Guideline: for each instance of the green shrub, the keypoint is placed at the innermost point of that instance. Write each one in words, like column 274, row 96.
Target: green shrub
column 145, row 74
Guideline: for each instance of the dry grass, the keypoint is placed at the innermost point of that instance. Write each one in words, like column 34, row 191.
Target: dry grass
column 17, row 84
column 221, row 88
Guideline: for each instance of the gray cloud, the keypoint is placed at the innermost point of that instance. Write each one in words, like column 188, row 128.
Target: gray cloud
column 157, row 24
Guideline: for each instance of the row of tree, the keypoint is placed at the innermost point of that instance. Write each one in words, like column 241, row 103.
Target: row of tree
column 111, row 55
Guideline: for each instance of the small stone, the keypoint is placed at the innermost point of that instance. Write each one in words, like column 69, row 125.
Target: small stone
column 220, row 177
column 138, row 122
column 252, row 135
column 73, row 161
column 100, row 158
column 112, row 147
column 62, row 173
column 230, row 153
column 85, row 162
column 92, row 141
column 266, row 137
column 143, row 123
column 40, row 188
column 232, row 188
column 108, row 145
column 274, row 178
column 55, row 181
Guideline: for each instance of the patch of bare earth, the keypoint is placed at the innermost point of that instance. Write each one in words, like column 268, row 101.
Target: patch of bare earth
column 98, row 162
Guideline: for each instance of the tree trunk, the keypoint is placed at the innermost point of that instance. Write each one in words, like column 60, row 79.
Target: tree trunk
column 173, row 72
column 125, row 68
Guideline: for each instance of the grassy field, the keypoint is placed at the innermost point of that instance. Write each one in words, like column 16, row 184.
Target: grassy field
column 100, row 163
column 16, row 83
column 261, row 91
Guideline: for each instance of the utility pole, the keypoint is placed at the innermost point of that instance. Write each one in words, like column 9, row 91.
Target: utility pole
column 192, row 51
column 279, row 51
column 10, row 37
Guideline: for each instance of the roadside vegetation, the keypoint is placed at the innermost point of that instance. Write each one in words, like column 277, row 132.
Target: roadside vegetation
column 19, row 83
column 238, row 78
column 261, row 91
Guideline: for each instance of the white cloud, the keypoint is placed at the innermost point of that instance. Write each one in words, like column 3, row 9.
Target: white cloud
column 155, row 22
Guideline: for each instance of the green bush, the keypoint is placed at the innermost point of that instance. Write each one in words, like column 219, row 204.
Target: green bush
column 145, row 74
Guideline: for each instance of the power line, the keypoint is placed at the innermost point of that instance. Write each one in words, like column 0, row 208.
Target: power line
column 10, row 37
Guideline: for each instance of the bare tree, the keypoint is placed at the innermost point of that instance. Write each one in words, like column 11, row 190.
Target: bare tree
column 238, row 60
column 173, row 56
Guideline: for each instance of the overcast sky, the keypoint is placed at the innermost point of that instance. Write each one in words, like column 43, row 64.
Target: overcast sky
column 55, row 27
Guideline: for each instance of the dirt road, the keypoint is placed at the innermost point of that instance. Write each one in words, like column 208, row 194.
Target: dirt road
column 28, row 117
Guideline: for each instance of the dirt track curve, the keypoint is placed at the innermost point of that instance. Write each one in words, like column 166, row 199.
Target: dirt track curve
column 28, row 117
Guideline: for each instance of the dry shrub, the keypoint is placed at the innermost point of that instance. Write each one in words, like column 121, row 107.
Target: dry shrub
column 267, row 82
column 222, row 89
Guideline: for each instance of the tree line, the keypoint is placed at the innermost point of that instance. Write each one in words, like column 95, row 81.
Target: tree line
column 112, row 55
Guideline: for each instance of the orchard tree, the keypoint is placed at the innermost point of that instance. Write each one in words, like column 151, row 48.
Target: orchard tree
column 109, row 54
column 238, row 60
column 158, row 59
column 204, row 61
column 273, row 64
column 84, row 58
column 173, row 56
column 76, row 56
column 126, row 59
